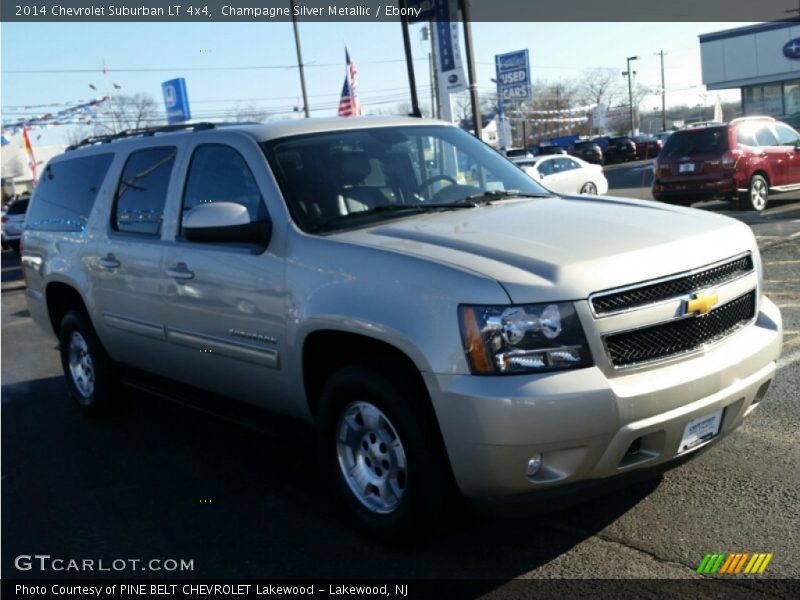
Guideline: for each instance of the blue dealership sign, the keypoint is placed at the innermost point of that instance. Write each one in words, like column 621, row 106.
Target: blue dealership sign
column 513, row 75
column 176, row 100
column 791, row 49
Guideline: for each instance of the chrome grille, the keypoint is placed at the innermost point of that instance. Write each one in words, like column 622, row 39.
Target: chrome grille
column 647, row 293
column 680, row 336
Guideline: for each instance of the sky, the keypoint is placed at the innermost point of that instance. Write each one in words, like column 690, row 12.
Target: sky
column 216, row 60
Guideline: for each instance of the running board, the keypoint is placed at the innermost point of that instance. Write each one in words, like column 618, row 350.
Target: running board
column 785, row 188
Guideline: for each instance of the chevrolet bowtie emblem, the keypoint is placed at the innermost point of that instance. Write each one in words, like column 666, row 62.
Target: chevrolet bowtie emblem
column 700, row 303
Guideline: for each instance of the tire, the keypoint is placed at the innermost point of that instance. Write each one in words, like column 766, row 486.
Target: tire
column 395, row 446
column 757, row 195
column 91, row 376
column 589, row 188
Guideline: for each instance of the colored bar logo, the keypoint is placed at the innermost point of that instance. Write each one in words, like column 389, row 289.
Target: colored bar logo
column 733, row 563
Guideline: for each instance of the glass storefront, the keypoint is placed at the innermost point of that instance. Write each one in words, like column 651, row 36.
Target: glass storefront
column 774, row 99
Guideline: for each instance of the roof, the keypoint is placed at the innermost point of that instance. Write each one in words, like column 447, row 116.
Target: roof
column 261, row 131
column 746, row 30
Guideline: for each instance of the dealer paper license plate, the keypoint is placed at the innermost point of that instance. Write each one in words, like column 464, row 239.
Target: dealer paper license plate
column 700, row 430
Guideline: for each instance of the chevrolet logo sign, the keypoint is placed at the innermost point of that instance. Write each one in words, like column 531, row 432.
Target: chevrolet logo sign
column 700, row 303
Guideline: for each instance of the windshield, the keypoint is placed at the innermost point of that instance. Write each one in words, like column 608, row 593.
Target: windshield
column 338, row 179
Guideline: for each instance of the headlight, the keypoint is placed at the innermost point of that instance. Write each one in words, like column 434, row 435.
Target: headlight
column 523, row 339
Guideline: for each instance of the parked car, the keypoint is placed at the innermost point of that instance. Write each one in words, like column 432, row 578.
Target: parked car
column 619, row 149
column 446, row 334
column 588, row 151
column 13, row 222
column 647, row 146
column 518, row 152
column 547, row 150
column 745, row 160
column 566, row 174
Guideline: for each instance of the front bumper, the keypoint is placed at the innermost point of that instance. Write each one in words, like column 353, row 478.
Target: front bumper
column 584, row 423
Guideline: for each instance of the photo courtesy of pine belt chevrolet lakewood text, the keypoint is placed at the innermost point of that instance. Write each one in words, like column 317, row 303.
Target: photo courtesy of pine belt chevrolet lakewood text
column 451, row 326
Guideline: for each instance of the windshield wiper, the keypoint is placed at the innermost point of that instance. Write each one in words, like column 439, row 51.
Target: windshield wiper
column 492, row 195
column 396, row 209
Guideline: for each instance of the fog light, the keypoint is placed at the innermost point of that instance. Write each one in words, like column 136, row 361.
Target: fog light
column 534, row 464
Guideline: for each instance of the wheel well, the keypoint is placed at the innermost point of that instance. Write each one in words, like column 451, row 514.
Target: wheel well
column 61, row 297
column 764, row 174
column 326, row 351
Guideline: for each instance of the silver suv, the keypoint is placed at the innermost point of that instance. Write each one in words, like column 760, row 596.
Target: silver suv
column 450, row 326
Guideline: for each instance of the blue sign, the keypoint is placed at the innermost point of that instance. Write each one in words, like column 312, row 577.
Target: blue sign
column 513, row 75
column 791, row 49
column 176, row 100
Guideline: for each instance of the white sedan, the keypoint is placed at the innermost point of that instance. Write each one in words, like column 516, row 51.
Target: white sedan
column 565, row 174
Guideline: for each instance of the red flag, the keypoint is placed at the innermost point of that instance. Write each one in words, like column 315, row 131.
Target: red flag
column 26, row 144
column 348, row 103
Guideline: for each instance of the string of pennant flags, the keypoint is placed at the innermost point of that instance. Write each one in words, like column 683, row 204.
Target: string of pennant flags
column 80, row 113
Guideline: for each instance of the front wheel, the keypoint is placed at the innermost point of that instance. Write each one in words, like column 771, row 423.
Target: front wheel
column 589, row 188
column 757, row 196
column 381, row 450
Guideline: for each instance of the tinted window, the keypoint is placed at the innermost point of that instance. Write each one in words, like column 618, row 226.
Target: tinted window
column 546, row 167
column 219, row 173
column 66, row 191
column 712, row 140
column 566, row 164
column 142, row 191
column 786, row 135
column 765, row 137
column 17, row 208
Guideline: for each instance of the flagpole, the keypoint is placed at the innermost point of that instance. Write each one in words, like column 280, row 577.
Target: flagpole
column 300, row 61
column 412, row 84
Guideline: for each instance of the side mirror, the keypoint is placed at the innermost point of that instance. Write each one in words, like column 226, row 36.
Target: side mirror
column 225, row 222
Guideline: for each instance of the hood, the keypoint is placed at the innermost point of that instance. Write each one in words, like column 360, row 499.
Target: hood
column 563, row 248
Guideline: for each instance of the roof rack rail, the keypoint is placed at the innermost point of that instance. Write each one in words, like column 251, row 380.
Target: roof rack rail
column 143, row 131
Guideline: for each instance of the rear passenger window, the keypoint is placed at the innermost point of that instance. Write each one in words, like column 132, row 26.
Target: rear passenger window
column 765, row 137
column 219, row 173
column 786, row 135
column 65, row 194
column 142, row 191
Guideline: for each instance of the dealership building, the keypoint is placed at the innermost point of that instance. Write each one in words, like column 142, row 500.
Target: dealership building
column 762, row 60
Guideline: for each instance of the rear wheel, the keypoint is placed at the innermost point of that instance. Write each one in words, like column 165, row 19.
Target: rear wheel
column 757, row 195
column 589, row 188
column 91, row 376
column 380, row 449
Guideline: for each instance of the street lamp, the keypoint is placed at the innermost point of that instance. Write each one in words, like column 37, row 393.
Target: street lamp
column 630, row 86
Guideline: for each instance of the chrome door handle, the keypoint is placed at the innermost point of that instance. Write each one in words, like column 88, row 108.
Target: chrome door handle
column 109, row 262
column 180, row 271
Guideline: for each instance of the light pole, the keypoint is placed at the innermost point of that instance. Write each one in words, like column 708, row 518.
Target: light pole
column 501, row 137
column 300, row 61
column 630, row 87
column 663, row 94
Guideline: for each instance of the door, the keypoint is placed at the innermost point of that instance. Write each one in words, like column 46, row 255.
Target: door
column 774, row 154
column 789, row 141
column 549, row 174
column 224, row 302
column 571, row 174
column 127, row 271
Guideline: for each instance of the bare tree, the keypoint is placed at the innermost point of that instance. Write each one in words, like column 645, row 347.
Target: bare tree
column 600, row 86
column 128, row 111
column 250, row 112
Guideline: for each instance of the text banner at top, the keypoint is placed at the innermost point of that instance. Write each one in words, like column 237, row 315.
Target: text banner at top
column 374, row 10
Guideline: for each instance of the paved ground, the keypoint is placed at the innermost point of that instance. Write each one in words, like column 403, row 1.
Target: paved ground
column 166, row 481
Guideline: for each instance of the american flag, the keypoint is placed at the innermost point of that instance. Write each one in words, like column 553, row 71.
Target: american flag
column 26, row 143
column 348, row 104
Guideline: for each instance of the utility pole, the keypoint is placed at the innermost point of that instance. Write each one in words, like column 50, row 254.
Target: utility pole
column 473, row 84
column 300, row 61
column 630, row 88
column 663, row 94
column 412, row 84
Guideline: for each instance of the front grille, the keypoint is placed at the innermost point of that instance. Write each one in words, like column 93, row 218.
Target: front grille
column 680, row 336
column 644, row 294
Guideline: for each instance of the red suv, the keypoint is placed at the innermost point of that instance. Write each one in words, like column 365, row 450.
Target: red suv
column 745, row 160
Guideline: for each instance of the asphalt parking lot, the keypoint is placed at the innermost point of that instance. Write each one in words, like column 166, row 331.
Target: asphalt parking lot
column 166, row 481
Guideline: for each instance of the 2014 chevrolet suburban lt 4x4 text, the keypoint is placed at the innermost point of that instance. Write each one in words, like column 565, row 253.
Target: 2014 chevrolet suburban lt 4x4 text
column 449, row 330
